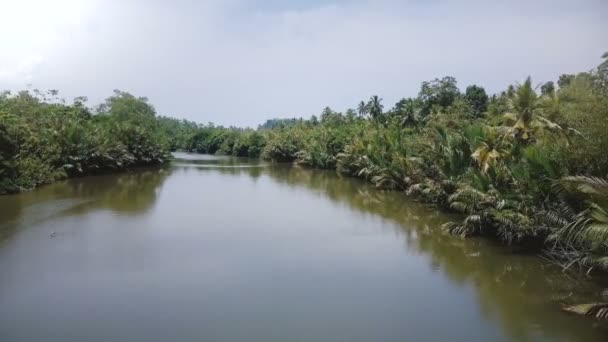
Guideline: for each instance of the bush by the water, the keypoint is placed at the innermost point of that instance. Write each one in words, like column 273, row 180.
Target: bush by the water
column 43, row 139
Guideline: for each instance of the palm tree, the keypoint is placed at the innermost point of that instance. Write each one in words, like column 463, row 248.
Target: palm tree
column 580, row 231
column 410, row 113
column 525, row 105
column 583, row 219
column 375, row 106
column 362, row 108
column 527, row 124
column 490, row 150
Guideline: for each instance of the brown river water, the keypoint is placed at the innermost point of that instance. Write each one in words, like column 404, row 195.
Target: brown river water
column 226, row 249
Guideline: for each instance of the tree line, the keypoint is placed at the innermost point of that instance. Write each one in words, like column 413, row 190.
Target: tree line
column 528, row 164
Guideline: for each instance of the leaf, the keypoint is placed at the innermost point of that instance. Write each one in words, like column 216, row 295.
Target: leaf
column 597, row 310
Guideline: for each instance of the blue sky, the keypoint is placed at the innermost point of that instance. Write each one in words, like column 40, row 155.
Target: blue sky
column 239, row 62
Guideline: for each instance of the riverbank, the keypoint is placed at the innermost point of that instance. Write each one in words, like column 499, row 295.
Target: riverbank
column 521, row 166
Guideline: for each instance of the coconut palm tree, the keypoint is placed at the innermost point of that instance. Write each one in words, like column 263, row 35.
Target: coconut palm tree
column 526, row 123
column 525, row 106
column 375, row 106
column 409, row 111
column 362, row 108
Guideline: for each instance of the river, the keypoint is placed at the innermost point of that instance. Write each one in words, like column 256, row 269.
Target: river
column 227, row 249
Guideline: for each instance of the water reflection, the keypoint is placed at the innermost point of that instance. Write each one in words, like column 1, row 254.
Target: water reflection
column 127, row 193
column 235, row 166
column 178, row 262
column 520, row 291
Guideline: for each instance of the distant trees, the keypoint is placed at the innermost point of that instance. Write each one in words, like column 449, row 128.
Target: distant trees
column 438, row 95
column 438, row 92
column 547, row 89
column 278, row 123
column 565, row 80
column 477, row 98
column 123, row 106
column 330, row 117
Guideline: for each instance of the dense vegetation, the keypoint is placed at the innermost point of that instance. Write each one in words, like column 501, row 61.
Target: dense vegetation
column 42, row 139
column 526, row 165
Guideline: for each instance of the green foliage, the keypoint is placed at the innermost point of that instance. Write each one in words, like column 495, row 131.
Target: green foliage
column 579, row 221
column 477, row 98
column 438, row 93
column 279, row 123
column 362, row 108
column 548, row 89
column 375, row 107
column 565, row 80
column 584, row 108
column 494, row 160
column 409, row 112
column 597, row 310
column 178, row 132
column 43, row 140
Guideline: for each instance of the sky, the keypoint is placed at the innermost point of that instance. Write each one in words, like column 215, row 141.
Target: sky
column 240, row 62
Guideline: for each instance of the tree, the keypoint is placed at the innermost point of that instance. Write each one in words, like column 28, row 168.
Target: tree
column 510, row 91
column 375, row 107
column 326, row 114
column 351, row 114
column 490, row 151
column 525, row 104
column 601, row 76
column 527, row 123
column 123, row 106
column 579, row 221
column 547, row 89
column 314, row 120
column 438, row 92
column 565, row 80
column 408, row 111
column 362, row 108
column 477, row 98
column 585, row 109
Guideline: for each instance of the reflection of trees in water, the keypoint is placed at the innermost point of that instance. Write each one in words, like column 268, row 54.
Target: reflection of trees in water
column 128, row 193
column 519, row 291
column 219, row 161
column 523, row 293
column 234, row 166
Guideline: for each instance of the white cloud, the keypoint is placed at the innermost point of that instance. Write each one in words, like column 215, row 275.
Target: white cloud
column 240, row 62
